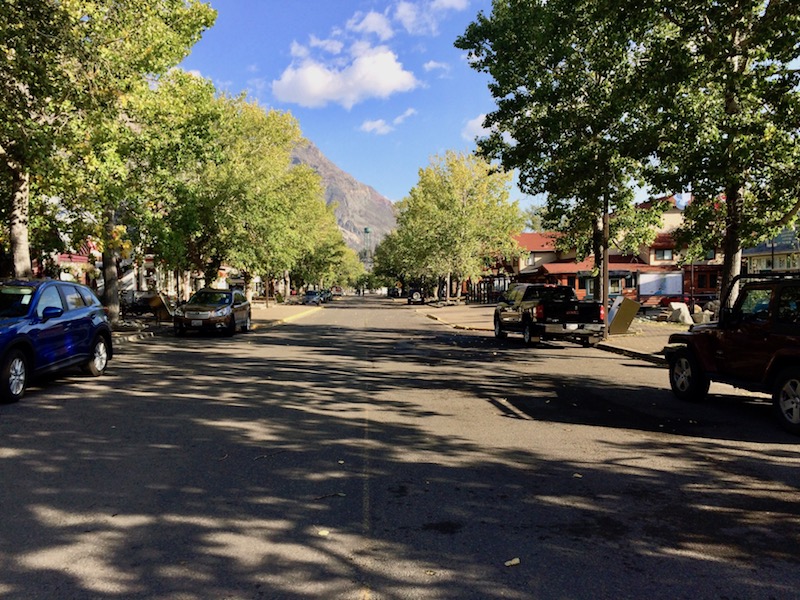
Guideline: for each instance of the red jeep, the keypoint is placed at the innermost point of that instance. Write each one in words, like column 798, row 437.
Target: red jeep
column 754, row 346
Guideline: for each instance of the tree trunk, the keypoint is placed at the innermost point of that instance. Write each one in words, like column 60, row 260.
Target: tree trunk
column 20, row 205
column 606, row 236
column 447, row 287
column 731, row 245
column 111, row 286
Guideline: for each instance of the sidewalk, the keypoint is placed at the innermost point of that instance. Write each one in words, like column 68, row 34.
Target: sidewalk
column 645, row 338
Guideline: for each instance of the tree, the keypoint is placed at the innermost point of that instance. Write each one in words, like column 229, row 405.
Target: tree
column 456, row 218
column 562, row 76
column 723, row 95
column 104, row 50
column 36, row 50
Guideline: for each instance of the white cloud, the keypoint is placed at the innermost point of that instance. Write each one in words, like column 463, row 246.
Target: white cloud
column 475, row 129
column 381, row 127
column 298, row 50
column 433, row 65
column 378, row 127
column 450, row 4
column 329, row 45
column 372, row 22
column 252, row 68
column 399, row 119
column 373, row 73
column 423, row 16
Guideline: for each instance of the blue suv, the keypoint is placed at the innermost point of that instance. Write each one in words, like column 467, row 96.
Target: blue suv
column 47, row 326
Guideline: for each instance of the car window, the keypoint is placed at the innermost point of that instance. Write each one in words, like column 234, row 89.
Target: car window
column 755, row 304
column 49, row 298
column 88, row 296
column 532, row 293
column 73, row 297
column 211, row 298
column 789, row 305
column 15, row 301
column 239, row 298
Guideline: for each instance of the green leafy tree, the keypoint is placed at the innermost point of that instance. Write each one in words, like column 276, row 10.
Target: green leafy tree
column 106, row 49
column 561, row 75
column 36, row 52
column 456, row 218
column 723, row 94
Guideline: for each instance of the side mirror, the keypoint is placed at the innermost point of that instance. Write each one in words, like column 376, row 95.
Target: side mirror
column 51, row 312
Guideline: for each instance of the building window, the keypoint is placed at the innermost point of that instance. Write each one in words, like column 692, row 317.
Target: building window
column 702, row 281
column 665, row 254
column 571, row 281
column 711, row 255
column 531, row 259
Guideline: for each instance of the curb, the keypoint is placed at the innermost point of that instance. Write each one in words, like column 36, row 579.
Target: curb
column 646, row 356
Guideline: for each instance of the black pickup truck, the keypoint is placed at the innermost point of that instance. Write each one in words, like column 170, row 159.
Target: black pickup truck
column 542, row 311
column 754, row 346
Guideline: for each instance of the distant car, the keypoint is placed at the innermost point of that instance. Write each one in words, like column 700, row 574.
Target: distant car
column 416, row 296
column 312, row 297
column 327, row 295
column 214, row 310
column 48, row 326
column 337, row 291
column 393, row 292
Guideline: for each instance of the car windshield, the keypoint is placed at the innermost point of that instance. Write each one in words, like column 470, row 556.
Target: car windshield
column 311, row 293
column 211, row 298
column 15, row 301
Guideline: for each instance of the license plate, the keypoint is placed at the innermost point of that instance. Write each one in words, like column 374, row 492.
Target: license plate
column 572, row 326
column 197, row 323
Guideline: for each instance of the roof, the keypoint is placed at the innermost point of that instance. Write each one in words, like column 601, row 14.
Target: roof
column 615, row 263
column 537, row 242
column 663, row 241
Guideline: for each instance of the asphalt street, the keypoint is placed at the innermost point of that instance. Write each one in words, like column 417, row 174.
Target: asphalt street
column 366, row 451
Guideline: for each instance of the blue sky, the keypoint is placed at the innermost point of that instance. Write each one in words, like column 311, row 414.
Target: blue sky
column 377, row 85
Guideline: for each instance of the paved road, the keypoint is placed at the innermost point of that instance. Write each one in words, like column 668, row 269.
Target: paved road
column 365, row 451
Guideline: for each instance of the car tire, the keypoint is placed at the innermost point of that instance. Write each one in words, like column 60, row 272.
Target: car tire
column 527, row 334
column 13, row 377
column 498, row 329
column 786, row 399
column 686, row 377
column 247, row 323
column 98, row 357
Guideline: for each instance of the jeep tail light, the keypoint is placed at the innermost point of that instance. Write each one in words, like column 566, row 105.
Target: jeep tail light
column 540, row 312
column 602, row 313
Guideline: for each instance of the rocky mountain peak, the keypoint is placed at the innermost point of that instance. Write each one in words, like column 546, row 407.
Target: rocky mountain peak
column 358, row 206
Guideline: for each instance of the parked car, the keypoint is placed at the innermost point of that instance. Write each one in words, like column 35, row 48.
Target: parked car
column 48, row 326
column 337, row 291
column 544, row 311
column 312, row 297
column 214, row 310
column 754, row 346
column 327, row 295
column 416, row 296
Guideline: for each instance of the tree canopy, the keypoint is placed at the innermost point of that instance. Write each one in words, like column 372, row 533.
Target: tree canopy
column 594, row 96
column 455, row 221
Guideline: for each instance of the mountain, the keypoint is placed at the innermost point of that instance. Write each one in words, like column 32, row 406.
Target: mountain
column 358, row 206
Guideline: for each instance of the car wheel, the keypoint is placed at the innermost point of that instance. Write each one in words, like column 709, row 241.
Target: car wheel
column 498, row 329
column 14, row 376
column 686, row 377
column 416, row 297
column 247, row 323
column 786, row 399
column 98, row 360
column 527, row 334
